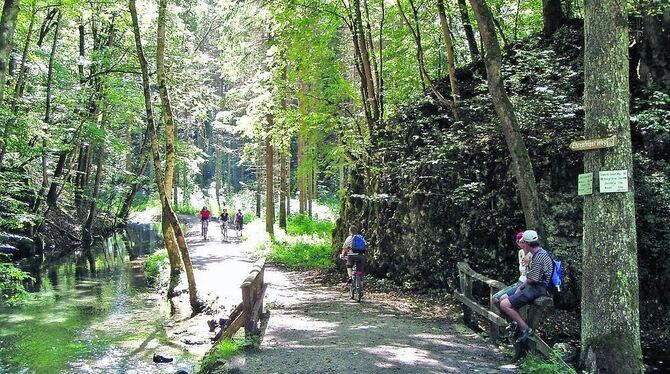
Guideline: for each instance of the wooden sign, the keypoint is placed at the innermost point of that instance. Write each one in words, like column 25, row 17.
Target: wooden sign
column 613, row 181
column 588, row 144
column 585, row 184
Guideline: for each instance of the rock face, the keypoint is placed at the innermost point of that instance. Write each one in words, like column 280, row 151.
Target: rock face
column 437, row 191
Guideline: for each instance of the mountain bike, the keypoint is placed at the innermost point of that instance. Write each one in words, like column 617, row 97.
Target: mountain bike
column 224, row 230
column 204, row 225
column 356, row 285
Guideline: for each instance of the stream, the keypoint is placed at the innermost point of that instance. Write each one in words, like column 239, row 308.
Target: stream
column 92, row 312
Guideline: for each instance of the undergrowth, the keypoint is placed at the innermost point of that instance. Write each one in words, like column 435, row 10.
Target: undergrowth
column 301, row 254
column 302, row 224
column 12, row 289
column 226, row 349
column 155, row 266
column 534, row 363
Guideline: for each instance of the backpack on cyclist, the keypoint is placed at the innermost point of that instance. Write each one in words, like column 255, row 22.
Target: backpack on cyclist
column 555, row 282
column 358, row 244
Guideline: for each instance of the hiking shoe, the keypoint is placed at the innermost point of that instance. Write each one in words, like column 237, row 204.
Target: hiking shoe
column 511, row 328
column 527, row 333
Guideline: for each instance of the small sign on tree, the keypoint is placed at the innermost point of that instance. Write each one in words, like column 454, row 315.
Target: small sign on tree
column 589, row 144
column 613, row 181
column 585, row 184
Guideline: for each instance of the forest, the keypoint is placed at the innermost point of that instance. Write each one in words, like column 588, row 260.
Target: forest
column 439, row 128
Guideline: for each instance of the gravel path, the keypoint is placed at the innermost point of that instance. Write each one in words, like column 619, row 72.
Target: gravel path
column 317, row 329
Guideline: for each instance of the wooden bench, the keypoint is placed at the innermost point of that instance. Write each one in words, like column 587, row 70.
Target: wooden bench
column 248, row 313
column 533, row 314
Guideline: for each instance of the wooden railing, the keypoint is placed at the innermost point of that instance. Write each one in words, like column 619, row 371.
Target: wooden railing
column 248, row 313
column 533, row 314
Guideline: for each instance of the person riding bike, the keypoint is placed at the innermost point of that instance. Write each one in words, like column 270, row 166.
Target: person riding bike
column 354, row 251
column 223, row 221
column 205, row 215
column 239, row 222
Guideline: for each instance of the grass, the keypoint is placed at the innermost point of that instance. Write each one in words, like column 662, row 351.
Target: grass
column 224, row 350
column 301, row 254
column 154, row 266
column 302, row 224
column 535, row 363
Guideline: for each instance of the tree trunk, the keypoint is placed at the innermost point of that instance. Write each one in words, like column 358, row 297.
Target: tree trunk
column 47, row 115
column 170, row 157
column 269, row 178
column 18, row 88
column 7, row 26
column 610, row 290
column 365, row 61
column 552, row 16
column 416, row 34
column 521, row 166
column 196, row 304
column 469, row 33
column 451, row 59
column 288, row 183
column 218, row 165
column 302, row 194
column 79, row 178
column 259, row 179
column 87, row 234
column 283, row 190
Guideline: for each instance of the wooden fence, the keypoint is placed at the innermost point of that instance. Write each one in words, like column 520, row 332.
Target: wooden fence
column 533, row 314
column 248, row 313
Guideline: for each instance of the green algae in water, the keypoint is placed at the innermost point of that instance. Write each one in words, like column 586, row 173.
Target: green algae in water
column 88, row 321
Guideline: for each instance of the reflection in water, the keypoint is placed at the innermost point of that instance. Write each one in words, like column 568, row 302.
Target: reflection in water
column 90, row 313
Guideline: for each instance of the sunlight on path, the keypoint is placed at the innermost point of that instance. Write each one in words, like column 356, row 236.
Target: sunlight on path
column 313, row 328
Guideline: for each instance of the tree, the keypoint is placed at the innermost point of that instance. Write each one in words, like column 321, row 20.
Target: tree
column 467, row 27
column 196, row 304
column 269, row 177
column 610, row 292
column 7, row 26
column 416, row 34
column 451, row 59
column 552, row 16
column 521, row 166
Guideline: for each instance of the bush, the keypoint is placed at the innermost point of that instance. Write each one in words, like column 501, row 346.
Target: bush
column 155, row 266
column 302, row 224
column 536, row 364
column 11, row 283
column 301, row 255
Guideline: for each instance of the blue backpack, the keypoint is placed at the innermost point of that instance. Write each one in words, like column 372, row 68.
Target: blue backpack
column 358, row 244
column 556, row 279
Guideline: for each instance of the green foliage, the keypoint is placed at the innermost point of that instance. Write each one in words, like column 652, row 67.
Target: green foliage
column 302, row 224
column 301, row 255
column 186, row 209
column 534, row 363
column 155, row 267
column 332, row 201
column 226, row 349
column 12, row 280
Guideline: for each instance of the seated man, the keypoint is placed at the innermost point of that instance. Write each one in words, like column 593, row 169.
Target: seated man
column 539, row 273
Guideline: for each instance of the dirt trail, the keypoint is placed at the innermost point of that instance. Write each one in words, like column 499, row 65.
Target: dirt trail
column 317, row 329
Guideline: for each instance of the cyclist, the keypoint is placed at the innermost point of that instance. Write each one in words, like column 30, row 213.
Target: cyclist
column 205, row 215
column 354, row 251
column 223, row 221
column 239, row 222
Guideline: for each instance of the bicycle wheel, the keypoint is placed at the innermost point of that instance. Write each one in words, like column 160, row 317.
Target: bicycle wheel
column 359, row 287
column 352, row 285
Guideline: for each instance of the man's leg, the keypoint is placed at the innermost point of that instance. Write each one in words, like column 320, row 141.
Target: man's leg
column 506, row 307
column 350, row 272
